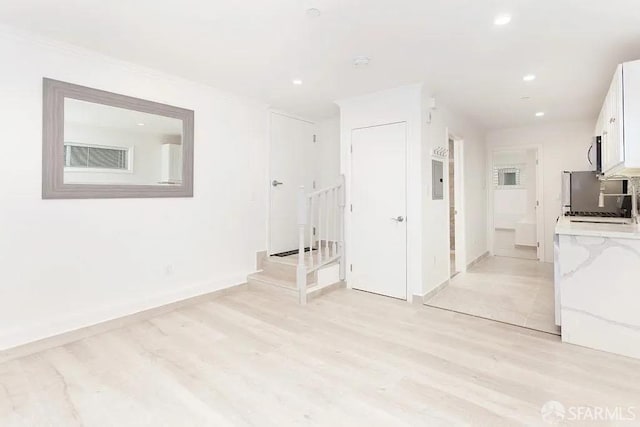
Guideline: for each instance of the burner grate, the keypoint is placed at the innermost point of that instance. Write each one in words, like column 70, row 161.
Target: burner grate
column 595, row 214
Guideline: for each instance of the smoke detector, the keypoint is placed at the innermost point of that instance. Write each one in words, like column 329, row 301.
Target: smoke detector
column 313, row 12
column 361, row 61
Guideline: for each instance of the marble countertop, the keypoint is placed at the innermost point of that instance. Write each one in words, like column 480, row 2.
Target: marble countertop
column 621, row 231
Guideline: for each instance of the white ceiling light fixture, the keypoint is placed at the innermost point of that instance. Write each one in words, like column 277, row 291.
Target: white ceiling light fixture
column 140, row 124
column 297, row 82
column 361, row 61
column 313, row 12
column 502, row 19
column 540, row 114
column 529, row 77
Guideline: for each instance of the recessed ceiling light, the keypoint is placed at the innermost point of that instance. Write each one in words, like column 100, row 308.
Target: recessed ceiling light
column 529, row 77
column 525, row 98
column 313, row 12
column 361, row 61
column 140, row 124
column 503, row 19
column 297, row 82
column 539, row 114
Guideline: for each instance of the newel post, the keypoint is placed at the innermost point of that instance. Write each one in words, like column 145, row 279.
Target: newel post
column 342, row 203
column 301, row 271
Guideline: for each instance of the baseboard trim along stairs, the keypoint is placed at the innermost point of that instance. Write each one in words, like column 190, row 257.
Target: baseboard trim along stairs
column 280, row 273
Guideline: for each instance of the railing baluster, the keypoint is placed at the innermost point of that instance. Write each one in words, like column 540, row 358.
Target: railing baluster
column 333, row 223
column 336, row 218
column 324, row 211
column 319, row 230
column 340, row 237
column 327, row 212
column 311, row 237
column 301, row 271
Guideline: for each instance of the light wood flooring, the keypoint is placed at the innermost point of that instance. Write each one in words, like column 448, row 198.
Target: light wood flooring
column 254, row 357
column 511, row 290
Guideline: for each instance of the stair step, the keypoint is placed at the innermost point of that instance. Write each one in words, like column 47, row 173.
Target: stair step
column 269, row 279
column 290, row 286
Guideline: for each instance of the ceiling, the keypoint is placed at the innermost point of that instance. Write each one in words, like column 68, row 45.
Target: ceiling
column 108, row 117
column 257, row 47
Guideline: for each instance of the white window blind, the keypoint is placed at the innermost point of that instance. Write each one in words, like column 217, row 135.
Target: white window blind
column 506, row 176
column 95, row 157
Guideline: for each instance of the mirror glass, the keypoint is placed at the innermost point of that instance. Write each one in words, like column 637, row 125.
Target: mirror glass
column 111, row 145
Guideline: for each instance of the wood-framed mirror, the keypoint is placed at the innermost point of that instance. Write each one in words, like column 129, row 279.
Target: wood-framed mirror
column 98, row 144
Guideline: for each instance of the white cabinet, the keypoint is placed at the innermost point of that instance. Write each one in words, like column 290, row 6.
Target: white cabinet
column 619, row 123
column 171, row 170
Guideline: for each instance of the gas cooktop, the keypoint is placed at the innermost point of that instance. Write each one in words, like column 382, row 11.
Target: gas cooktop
column 595, row 214
column 598, row 217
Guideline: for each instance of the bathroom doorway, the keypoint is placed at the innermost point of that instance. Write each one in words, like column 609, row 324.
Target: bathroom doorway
column 515, row 203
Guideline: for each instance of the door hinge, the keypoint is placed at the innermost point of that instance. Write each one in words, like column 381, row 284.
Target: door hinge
column 536, row 161
column 314, row 184
column 314, row 138
column 351, row 267
column 314, row 231
column 351, row 208
column 537, row 202
column 538, row 244
column 352, row 148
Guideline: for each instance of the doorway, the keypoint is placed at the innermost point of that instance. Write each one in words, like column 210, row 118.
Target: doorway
column 378, row 210
column 511, row 286
column 290, row 166
column 455, row 191
column 515, row 195
column 452, row 209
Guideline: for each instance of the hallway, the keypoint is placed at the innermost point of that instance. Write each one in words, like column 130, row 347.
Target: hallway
column 514, row 291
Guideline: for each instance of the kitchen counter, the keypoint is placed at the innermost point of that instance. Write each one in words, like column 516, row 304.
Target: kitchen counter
column 622, row 231
column 597, row 280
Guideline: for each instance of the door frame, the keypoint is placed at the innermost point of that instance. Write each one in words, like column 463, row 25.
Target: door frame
column 269, row 167
column 540, row 224
column 459, row 190
column 349, row 215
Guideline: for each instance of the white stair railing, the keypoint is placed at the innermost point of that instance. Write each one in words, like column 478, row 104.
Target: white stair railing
column 321, row 218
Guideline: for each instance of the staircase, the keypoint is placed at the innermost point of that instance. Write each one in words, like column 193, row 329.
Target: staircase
column 281, row 273
column 321, row 227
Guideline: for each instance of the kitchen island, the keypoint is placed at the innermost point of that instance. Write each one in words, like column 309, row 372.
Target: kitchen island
column 597, row 280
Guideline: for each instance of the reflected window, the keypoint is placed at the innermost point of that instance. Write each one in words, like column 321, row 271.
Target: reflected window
column 95, row 157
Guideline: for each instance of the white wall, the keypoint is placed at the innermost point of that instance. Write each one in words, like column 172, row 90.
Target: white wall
column 69, row 263
column 147, row 160
column 435, row 252
column 427, row 238
column 327, row 159
column 390, row 106
column 564, row 147
column 513, row 203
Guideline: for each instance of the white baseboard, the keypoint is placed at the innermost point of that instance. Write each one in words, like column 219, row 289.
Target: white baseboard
column 80, row 325
column 421, row 299
column 478, row 259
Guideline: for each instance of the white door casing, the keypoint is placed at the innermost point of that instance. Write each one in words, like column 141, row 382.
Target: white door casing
column 459, row 189
column 291, row 165
column 379, row 204
column 539, row 185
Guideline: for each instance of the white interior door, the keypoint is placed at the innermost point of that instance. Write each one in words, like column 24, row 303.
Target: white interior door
column 378, row 220
column 291, row 165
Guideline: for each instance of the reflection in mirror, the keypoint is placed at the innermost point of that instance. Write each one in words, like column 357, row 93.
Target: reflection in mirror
column 111, row 145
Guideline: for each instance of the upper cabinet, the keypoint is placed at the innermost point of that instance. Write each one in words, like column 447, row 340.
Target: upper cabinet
column 619, row 123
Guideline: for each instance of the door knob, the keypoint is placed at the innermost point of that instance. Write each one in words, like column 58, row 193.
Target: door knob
column 276, row 183
column 398, row 219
